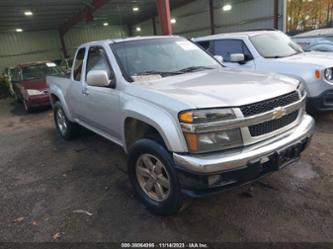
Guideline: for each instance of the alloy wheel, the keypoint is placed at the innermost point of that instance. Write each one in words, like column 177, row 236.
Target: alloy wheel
column 61, row 121
column 153, row 177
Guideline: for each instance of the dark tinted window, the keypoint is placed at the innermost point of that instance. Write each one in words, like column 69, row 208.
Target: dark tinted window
column 228, row 47
column 205, row 45
column 78, row 64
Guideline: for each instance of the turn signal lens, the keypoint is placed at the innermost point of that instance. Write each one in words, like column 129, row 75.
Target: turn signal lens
column 192, row 141
column 186, row 117
column 317, row 74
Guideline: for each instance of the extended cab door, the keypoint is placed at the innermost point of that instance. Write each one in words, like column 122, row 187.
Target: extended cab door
column 227, row 47
column 101, row 103
column 74, row 93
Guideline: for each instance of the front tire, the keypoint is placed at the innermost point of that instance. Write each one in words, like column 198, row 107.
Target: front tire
column 67, row 129
column 153, row 177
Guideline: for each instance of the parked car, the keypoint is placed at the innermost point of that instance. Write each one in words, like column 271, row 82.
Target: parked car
column 189, row 126
column 316, row 40
column 29, row 83
column 273, row 51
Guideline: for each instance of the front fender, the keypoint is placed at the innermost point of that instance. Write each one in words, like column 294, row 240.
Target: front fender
column 167, row 125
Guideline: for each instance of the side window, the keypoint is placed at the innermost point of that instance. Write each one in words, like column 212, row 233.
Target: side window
column 206, row 45
column 228, row 47
column 78, row 64
column 97, row 59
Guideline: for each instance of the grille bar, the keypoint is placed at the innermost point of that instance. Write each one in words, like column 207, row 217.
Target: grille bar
column 272, row 125
column 268, row 105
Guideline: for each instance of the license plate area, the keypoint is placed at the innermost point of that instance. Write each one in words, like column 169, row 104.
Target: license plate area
column 288, row 155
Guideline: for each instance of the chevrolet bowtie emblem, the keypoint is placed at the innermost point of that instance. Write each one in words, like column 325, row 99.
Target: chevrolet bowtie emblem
column 279, row 112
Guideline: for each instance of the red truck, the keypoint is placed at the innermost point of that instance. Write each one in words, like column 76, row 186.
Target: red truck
column 29, row 83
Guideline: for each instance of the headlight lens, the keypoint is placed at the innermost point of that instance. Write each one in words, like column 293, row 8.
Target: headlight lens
column 214, row 141
column 209, row 141
column 328, row 74
column 204, row 116
column 33, row 92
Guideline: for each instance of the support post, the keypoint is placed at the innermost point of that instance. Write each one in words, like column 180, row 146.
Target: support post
column 211, row 17
column 63, row 44
column 276, row 14
column 129, row 28
column 154, row 26
column 163, row 8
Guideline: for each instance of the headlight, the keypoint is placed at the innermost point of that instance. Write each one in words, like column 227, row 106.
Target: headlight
column 214, row 141
column 33, row 92
column 209, row 141
column 204, row 116
column 301, row 89
column 328, row 73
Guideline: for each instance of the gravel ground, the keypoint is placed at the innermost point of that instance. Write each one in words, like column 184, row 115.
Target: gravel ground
column 78, row 191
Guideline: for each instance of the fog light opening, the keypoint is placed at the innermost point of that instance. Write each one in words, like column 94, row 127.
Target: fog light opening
column 212, row 180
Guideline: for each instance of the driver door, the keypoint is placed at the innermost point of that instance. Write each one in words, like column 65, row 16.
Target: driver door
column 101, row 103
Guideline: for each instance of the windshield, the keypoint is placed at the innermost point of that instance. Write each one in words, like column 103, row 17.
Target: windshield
column 40, row 71
column 164, row 57
column 275, row 45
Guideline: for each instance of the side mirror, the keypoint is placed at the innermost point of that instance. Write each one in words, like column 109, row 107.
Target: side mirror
column 219, row 58
column 98, row 78
column 237, row 58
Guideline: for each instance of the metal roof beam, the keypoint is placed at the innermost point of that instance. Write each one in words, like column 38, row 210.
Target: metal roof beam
column 86, row 13
column 173, row 5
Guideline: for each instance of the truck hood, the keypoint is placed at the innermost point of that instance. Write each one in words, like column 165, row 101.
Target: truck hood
column 37, row 84
column 319, row 59
column 217, row 88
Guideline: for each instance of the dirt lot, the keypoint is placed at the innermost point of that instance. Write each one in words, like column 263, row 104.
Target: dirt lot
column 45, row 180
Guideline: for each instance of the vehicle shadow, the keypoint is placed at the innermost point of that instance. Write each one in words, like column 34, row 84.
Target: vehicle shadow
column 323, row 122
column 17, row 108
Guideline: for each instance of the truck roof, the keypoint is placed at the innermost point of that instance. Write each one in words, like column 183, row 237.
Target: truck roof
column 234, row 35
column 136, row 38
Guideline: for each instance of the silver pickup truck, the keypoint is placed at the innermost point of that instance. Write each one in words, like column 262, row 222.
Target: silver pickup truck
column 190, row 126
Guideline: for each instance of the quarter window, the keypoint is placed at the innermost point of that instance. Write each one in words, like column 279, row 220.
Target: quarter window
column 78, row 64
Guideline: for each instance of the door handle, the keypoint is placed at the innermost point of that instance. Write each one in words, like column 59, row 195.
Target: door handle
column 85, row 92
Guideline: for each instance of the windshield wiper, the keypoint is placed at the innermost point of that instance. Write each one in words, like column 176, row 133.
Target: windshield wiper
column 193, row 69
column 162, row 73
column 181, row 71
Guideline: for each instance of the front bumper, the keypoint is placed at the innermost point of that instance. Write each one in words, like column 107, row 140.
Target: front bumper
column 213, row 172
column 38, row 100
column 323, row 102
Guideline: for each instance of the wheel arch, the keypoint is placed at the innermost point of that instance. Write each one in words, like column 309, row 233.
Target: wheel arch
column 150, row 119
column 55, row 94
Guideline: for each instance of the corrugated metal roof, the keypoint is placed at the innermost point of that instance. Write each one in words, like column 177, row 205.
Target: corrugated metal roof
column 52, row 14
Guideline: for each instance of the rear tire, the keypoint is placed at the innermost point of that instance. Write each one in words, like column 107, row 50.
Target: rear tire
column 67, row 129
column 158, row 186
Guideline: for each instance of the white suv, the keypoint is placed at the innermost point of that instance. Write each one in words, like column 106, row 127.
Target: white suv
column 273, row 51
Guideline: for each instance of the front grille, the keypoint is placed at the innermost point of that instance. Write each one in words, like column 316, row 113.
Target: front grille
column 268, row 105
column 272, row 125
